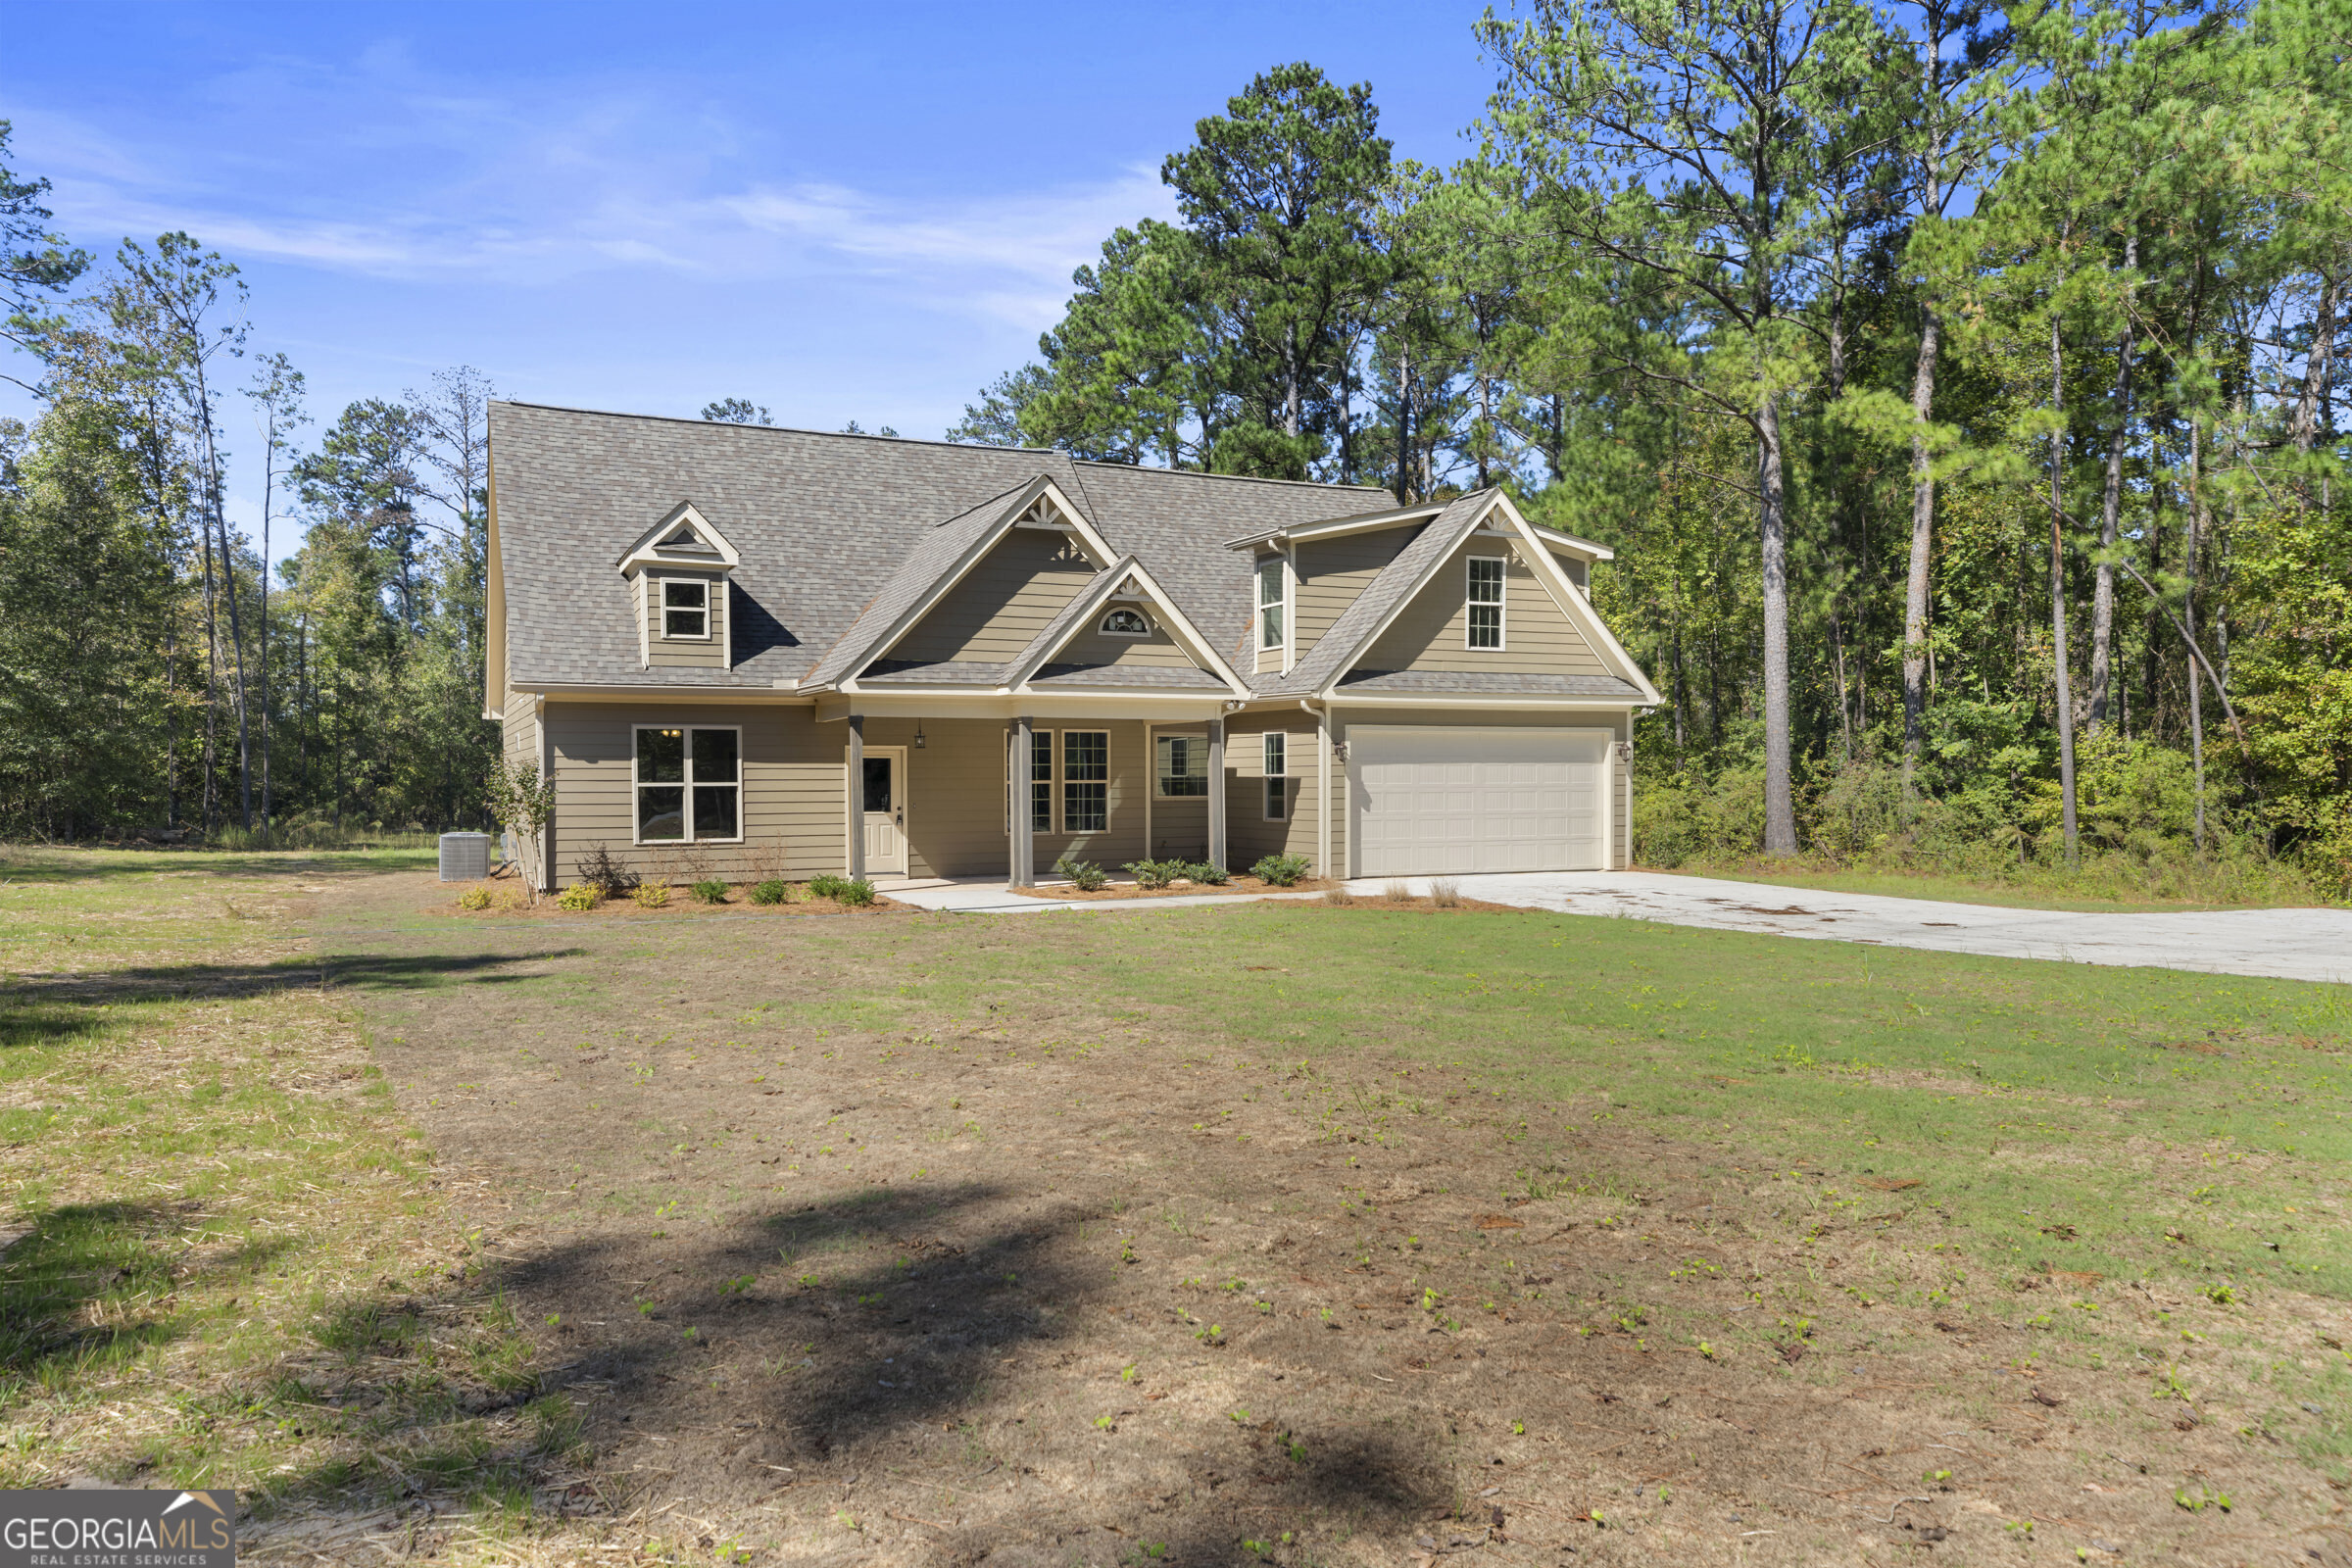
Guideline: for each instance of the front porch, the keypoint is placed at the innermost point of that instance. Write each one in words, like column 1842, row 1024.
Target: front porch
column 947, row 798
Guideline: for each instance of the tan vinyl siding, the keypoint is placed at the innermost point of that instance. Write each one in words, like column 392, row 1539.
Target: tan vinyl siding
column 1333, row 573
column 1620, row 804
column 521, row 729
column 1091, row 646
column 686, row 653
column 792, row 787
column 1001, row 606
column 1579, row 572
column 1130, row 776
column 1430, row 632
column 1249, row 837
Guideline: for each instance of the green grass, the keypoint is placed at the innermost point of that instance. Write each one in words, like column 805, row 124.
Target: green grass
column 222, row 1230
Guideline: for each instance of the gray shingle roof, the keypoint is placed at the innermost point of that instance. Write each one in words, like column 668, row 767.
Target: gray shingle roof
column 826, row 525
column 900, row 673
column 1499, row 683
column 1183, row 678
column 1338, row 647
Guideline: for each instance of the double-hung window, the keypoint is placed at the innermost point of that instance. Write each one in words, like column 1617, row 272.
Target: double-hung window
column 1269, row 601
column 1084, row 780
column 689, row 784
column 685, row 608
column 1486, row 602
column 1182, row 766
column 1041, row 781
column 1278, row 783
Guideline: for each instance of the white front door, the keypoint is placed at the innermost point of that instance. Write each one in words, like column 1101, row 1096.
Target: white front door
column 1434, row 801
column 883, row 804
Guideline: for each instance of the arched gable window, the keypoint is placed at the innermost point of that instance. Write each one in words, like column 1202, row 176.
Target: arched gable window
column 1126, row 623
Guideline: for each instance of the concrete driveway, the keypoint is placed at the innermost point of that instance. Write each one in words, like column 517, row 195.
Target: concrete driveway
column 2288, row 944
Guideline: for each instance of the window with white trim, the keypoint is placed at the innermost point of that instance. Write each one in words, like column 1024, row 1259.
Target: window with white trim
column 1485, row 629
column 1084, row 780
column 1269, row 601
column 1277, row 770
column 688, row 784
column 1182, row 766
column 1041, row 781
column 1123, row 622
column 685, row 608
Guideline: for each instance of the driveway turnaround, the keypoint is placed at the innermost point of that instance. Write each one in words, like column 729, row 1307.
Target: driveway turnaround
column 2285, row 944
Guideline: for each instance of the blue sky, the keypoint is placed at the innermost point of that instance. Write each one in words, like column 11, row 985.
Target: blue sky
column 844, row 213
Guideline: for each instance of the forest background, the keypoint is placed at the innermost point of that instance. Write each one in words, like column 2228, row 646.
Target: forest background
column 1956, row 387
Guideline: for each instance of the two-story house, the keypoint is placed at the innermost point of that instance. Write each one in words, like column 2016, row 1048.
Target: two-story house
column 907, row 659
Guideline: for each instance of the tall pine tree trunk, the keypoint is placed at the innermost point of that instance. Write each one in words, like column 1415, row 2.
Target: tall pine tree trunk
column 1923, row 544
column 1779, row 806
column 2102, row 599
column 2066, row 693
column 2188, row 611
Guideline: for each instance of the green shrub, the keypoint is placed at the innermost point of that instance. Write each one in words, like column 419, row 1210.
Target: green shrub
column 710, row 890
column 1085, row 875
column 580, row 896
column 775, row 890
column 474, row 899
column 1282, row 870
column 1209, row 873
column 1155, row 873
column 650, row 895
column 841, row 889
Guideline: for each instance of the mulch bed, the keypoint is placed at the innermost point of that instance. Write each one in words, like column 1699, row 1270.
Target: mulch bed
column 1128, row 890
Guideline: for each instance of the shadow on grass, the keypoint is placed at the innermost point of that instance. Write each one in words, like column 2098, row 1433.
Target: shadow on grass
column 52, row 1010
column 89, row 1286
column 867, row 1332
column 99, row 863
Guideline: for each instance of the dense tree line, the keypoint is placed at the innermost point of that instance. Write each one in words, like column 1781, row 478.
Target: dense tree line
column 1957, row 386
column 152, row 674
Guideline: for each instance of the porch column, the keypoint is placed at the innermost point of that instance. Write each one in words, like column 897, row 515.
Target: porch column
column 856, row 800
column 1021, row 829
column 1217, row 792
column 1323, row 812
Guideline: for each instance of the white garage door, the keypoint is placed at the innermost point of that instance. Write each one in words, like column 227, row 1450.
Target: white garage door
column 1434, row 802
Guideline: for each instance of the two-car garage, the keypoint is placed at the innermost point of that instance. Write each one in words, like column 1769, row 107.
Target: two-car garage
column 1459, row 801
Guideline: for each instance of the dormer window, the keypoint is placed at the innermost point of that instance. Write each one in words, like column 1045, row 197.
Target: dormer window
column 686, row 610
column 1126, row 623
column 1269, row 601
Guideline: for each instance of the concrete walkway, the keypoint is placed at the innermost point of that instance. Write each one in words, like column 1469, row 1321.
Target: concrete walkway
column 2287, row 944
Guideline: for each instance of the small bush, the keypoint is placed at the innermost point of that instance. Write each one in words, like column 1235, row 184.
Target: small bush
column 1446, row 893
column 1399, row 891
column 1339, row 895
column 474, row 899
column 650, row 895
column 1155, row 873
column 1209, row 873
column 602, row 871
column 841, row 889
column 774, row 889
column 578, row 896
column 710, row 890
column 1085, row 875
column 1282, row 870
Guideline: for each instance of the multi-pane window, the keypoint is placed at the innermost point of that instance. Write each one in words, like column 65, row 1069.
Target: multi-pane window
column 1041, row 781
column 1486, row 602
column 685, row 608
column 1123, row 622
column 1278, row 803
column 1084, row 780
column 1269, row 601
column 1183, row 764
column 689, row 784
